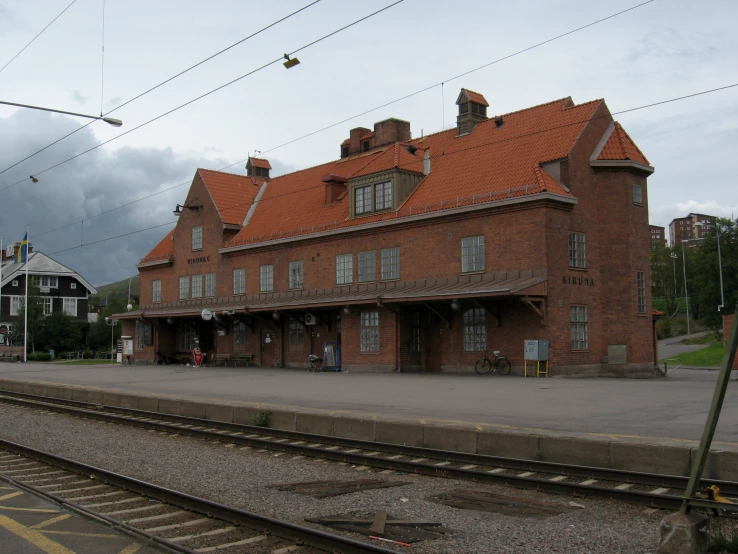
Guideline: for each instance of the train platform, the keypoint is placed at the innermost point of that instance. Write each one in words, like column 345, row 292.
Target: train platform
column 644, row 425
column 31, row 525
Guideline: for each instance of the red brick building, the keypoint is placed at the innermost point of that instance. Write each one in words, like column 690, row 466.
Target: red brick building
column 692, row 227
column 658, row 236
column 417, row 254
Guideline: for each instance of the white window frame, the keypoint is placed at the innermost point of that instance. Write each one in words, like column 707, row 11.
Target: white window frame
column 475, row 330
column 239, row 333
column 239, row 281
column 68, row 304
column 196, row 286
column 296, row 274
column 47, row 302
column 365, row 194
column 46, row 281
column 184, row 287
column 370, row 331
column 472, row 254
column 638, row 194
column 390, row 260
column 344, row 269
column 14, row 283
column 383, row 196
column 16, row 302
column 210, row 288
column 579, row 321
column 367, row 266
column 156, row 291
column 73, row 286
column 266, row 278
column 577, row 250
column 197, row 237
column 641, row 291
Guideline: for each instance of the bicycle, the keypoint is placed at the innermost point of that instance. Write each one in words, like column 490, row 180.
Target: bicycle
column 499, row 365
column 316, row 364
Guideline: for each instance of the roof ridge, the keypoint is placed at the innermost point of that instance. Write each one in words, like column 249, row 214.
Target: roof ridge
column 619, row 127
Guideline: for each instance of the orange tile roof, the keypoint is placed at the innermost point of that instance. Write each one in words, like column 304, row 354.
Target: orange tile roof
column 476, row 97
column 345, row 142
column 621, row 147
column 232, row 194
column 489, row 164
column 367, row 136
column 162, row 251
column 260, row 162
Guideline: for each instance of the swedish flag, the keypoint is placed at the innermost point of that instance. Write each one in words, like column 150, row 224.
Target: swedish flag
column 21, row 255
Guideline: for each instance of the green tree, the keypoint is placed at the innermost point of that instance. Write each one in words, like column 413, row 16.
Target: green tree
column 61, row 332
column 706, row 271
column 35, row 319
column 98, row 337
column 664, row 282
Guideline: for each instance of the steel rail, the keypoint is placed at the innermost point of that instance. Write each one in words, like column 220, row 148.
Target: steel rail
column 285, row 530
column 258, row 438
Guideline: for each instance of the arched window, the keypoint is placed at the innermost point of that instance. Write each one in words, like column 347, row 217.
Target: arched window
column 475, row 330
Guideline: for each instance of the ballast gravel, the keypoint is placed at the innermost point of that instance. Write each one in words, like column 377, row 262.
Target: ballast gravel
column 239, row 477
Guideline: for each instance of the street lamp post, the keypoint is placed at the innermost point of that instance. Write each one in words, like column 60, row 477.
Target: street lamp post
column 112, row 323
column 720, row 262
column 686, row 291
column 109, row 120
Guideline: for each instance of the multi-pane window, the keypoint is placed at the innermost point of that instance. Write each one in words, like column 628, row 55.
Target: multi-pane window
column 297, row 335
column 239, row 333
column 46, row 302
column 363, row 199
column 143, row 335
column 370, row 332
column 415, row 332
column 579, row 330
column 156, row 291
column 197, row 238
column 641, row 286
column 475, row 330
column 266, row 278
column 210, row 285
column 196, row 286
column 187, row 336
column 46, row 281
column 344, row 269
column 184, row 287
column 16, row 302
column 577, row 250
column 383, row 196
column 239, row 281
column 296, row 276
column 367, row 266
column 472, row 254
column 390, row 263
column 69, row 306
column 637, row 194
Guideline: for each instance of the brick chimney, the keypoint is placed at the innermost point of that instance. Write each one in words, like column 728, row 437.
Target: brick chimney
column 258, row 167
column 390, row 131
column 472, row 109
column 335, row 187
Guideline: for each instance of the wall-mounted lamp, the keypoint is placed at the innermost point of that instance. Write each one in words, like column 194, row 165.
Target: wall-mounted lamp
column 178, row 210
column 170, row 320
column 275, row 315
column 347, row 309
column 455, row 305
column 291, row 62
column 33, row 179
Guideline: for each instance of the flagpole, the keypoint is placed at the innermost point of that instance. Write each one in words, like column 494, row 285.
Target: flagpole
column 25, row 311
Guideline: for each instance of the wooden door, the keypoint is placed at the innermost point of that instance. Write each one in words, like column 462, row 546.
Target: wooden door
column 267, row 347
column 433, row 346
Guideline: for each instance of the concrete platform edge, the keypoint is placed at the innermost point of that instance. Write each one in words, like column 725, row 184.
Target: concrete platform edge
column 534, row 445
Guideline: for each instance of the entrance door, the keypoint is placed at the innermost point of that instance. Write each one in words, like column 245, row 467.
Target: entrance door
column 267, row 347
column 433, row 346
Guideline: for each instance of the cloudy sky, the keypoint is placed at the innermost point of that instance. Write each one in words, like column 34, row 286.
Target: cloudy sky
column 662, row 50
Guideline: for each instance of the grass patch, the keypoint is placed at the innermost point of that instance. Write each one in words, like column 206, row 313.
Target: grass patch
column 705, row 357
column 261, row 419
column 709, row 338
column 722, row 538
column 88, row 362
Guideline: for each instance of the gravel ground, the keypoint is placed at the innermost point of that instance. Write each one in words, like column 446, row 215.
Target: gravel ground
column 239, row 477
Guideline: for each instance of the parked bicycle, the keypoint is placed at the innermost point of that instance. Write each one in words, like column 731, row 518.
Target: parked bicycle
column 499, row 365
column 316, row 364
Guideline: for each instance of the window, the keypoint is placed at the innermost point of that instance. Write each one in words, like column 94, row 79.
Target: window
column 239, row 281
column 367, row 266
column 239, row 333
column 14, row 283
column 641, row 286
column 197, row 238
column 383, row 196
column 16, row 302
column 472, row 254
column 637, row 194
column 579, row 331
column 196, row 286
column 390, row 263
column 47, row 303
column 296, row 279
column 363, row 198
column 365, row 146
column 46, row 281
column 267, row 278
column 344, row 151
column 156, row 291
column 297, row 335
column 143, row 335
column 475, row 330
column 415, row 332
column 73, row 286
column 344, row 269
column 577, row 250
column 478, row 109
column 70, row 306
column 370, row 332
column 184, row 288
column 186, row 338
column 210, row 285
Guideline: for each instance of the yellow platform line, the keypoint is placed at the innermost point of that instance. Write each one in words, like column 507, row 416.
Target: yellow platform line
column 34, row 537
column 37, row 510
column 130, row 549
column 11, row 495
column 51, row 521
column 81, row 534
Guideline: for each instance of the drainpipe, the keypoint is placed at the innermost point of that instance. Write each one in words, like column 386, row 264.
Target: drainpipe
column 397, row 345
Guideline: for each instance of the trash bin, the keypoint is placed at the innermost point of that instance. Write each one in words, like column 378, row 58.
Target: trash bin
column 51, row 353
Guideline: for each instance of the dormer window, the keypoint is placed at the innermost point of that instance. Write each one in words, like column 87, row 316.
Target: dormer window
column 373, row 198
column 478, row 109
column 383, row 196
column 344, row 151
column 365, row 146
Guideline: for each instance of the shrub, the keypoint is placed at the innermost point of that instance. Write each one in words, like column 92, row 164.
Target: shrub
column 664, row 328
column 261, row 419
column 39, row 357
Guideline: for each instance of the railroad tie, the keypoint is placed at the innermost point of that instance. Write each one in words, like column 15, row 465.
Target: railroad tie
column 497, row 470
column 525, row 474
column 113, row 502
column 660, row 490
column 624, row 486
column 133, row 510
column 440, row 464
column 104, row 495
column 176, row 513
column 252, row 540
column 558, row 478
column 470, row 466
column 177, row 525
column 220, row 531
column 287, row 549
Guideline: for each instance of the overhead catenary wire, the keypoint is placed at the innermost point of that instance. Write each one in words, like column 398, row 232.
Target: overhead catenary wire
column 212, row 91
column 170, row 79
column 37, row 35
column 365, row 112
column 516, row 137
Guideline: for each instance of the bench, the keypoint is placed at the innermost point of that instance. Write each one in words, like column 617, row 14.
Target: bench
column 8, row 357
column 241, row 358
column 181, row 358
column 225, row 358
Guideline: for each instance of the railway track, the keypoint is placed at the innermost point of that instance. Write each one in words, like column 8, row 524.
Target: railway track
column 650, row 489
column 171, row 520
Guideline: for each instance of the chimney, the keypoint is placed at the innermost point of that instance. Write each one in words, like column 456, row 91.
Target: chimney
column 355, row 139
column 426, row 162
column 472, row 110
column 335, row 187
column 390, row 131
column 258, row 167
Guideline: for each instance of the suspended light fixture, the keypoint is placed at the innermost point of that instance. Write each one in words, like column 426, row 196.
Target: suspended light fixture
column 291, row 62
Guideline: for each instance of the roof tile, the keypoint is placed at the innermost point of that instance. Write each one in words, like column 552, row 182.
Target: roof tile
column 232, row 194
column 621, row 147
column 162, row 251
column 260, row 162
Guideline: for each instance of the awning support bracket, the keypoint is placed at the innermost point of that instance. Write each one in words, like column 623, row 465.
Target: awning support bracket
column 439, row 314
column 537, row 304
column 247, row 322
